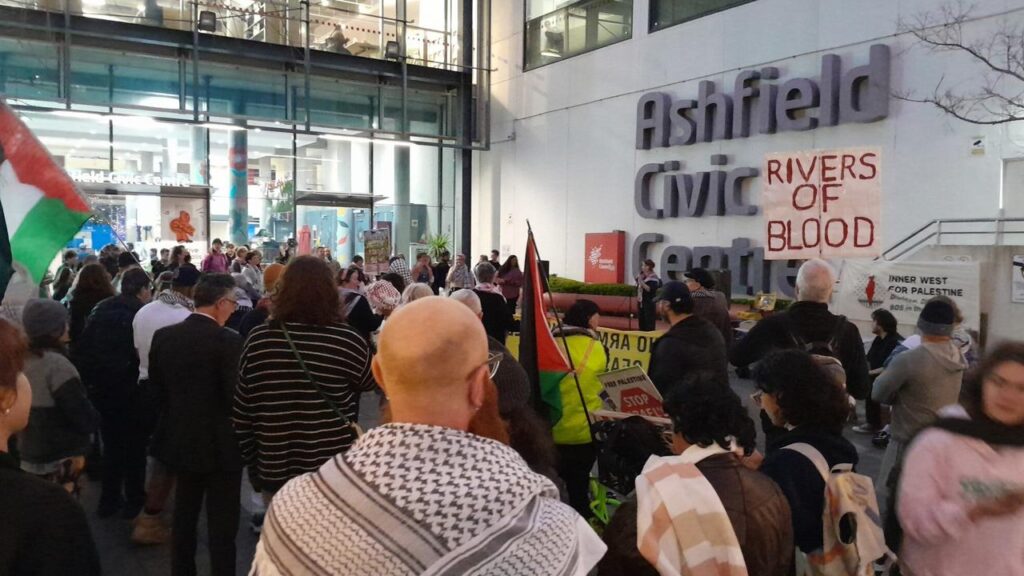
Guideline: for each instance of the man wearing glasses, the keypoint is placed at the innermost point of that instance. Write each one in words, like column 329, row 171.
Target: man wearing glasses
column 195, row 366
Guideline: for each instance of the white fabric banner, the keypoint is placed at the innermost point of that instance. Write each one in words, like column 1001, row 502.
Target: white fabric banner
column 903, row 288
column 822, row 203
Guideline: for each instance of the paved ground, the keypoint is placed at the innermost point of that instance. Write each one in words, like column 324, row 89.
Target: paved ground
column 121, row 558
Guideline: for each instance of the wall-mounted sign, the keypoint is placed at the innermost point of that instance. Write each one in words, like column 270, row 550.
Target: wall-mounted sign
column 131, row 178
column 824, row 203
column 605, row 257
column 756, row 104
column 182, row 220
column 903, row 288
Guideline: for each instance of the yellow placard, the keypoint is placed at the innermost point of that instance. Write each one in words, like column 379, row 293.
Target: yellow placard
column 625, row 349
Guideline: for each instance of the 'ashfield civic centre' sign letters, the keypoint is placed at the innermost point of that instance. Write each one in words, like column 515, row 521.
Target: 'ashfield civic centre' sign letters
column 757, row 104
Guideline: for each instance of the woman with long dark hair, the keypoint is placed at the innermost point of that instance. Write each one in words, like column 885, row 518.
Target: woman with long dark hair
column 576, row 450
column 92, row 285
column 299, row 377
column 44, row 530
column 799, row 395
column 961, row 493
column 510, row 279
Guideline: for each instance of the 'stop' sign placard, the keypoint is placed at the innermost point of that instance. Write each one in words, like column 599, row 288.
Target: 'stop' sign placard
column 823, row 203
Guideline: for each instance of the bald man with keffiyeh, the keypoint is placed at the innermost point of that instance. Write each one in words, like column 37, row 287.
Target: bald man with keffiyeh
column 422, row 495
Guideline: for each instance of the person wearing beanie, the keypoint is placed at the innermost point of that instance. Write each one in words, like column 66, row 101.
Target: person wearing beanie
column 709, row 303
column 62, row 419
column 691, row 345
column 917, row 383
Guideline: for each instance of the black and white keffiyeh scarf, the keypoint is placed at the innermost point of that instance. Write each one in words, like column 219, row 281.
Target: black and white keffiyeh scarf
column 414, row 499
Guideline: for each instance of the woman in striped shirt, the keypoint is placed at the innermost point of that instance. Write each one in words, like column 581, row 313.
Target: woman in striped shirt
column 295, row 400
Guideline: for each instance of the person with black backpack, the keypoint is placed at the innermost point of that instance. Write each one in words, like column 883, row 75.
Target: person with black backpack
column 808, row 325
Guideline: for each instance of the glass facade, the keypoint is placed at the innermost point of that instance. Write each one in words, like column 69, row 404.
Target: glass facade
column 665, row 13
column 364, row 124
column 555, row 31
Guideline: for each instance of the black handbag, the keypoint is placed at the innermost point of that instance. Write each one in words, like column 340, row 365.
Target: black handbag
column 309, row 376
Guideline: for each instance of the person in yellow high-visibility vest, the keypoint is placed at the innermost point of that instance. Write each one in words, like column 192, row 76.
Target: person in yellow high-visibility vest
column 576, row 450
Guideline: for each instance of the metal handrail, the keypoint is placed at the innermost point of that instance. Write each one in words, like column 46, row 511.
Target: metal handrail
column 938, row 232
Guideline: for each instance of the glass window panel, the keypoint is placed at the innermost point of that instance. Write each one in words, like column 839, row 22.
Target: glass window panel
column 340, row 103
column 117, row 78
column 241, row 91
column 573, row 28
column 29, row 69
column 429, row 113
column 665, row 13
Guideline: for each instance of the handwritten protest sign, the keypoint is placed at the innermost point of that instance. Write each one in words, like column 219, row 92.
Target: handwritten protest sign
column 903, row 288
column 631, row 391
column 822, row 203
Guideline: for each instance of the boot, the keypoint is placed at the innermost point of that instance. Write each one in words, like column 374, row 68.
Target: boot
column 147, row 529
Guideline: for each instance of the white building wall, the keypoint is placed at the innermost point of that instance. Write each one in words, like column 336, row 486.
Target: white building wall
column 562, row 151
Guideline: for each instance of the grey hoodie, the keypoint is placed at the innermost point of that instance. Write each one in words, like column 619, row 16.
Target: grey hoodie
column 918, row 383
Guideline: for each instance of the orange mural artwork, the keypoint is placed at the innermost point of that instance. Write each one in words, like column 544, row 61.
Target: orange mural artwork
column 182, row 227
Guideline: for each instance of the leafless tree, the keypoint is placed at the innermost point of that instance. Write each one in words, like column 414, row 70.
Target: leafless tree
column 999, row 97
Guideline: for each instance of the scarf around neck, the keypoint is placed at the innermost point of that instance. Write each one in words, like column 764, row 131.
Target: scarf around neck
column 974, row 424
column 172, row 298
column 682, row 526
column 430, row 500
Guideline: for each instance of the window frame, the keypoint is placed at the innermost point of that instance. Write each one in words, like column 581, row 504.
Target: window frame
column 651, row 29
column 528, row 68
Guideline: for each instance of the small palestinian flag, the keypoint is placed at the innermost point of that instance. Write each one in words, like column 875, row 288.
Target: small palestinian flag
column 40, row 208
column 538, row 353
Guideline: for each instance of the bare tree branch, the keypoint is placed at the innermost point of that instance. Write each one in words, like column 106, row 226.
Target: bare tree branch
column 999, row 96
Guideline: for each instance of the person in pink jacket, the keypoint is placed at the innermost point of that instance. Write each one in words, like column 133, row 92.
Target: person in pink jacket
column 961, row 495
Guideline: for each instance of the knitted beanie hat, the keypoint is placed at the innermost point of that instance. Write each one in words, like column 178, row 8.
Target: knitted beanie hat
column 44, row 317
column 936, row 319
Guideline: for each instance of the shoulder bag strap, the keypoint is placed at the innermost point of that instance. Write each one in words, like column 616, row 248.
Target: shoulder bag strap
column 812, row 454
column 309, row 376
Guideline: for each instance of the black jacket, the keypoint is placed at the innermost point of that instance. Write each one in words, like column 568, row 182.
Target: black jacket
column 44, row 531
column 692, row 345
column 712, row 306
column 497, row 317
column 800, row 481
column 194, row 365
column 253, row 318
column 80, row 306
column 360, row 316
column 813, row 322
column 105, row 354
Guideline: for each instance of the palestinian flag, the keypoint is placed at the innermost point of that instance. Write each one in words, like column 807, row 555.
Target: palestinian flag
column 538, row 353
column 40, row 208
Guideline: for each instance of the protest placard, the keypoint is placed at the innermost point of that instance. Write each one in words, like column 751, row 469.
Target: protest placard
column 822, row 203
column 377, row 250
column 903, row 288
column 631, row 391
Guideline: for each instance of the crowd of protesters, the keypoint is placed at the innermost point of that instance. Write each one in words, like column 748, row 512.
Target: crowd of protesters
column 183, row 380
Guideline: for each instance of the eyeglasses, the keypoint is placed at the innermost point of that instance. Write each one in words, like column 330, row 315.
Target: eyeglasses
column 233, row 302
column 756, row 398
column 493, row 362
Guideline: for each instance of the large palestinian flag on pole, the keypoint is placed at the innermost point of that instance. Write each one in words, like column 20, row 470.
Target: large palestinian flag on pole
column 40, row 208
column 538, row 353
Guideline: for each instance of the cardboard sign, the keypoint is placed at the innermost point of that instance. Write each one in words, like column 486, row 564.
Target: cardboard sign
column 823, row 203
column 605, row 258
column 632, row 392
column 903, row 288
column 377, row 251
column 663, row 424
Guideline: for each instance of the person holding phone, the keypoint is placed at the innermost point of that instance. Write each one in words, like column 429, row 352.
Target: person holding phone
column 961, row 493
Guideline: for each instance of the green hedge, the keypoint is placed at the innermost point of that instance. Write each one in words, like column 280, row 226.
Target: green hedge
column 568, row 286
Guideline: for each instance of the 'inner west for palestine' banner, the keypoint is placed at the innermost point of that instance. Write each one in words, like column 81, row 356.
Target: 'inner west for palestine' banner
column 903, row 288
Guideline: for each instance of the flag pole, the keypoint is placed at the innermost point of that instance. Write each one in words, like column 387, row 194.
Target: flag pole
column 561, row 332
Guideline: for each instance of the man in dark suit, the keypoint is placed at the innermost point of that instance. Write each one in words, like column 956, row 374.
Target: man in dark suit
column 497, row 317
column 195, row 365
